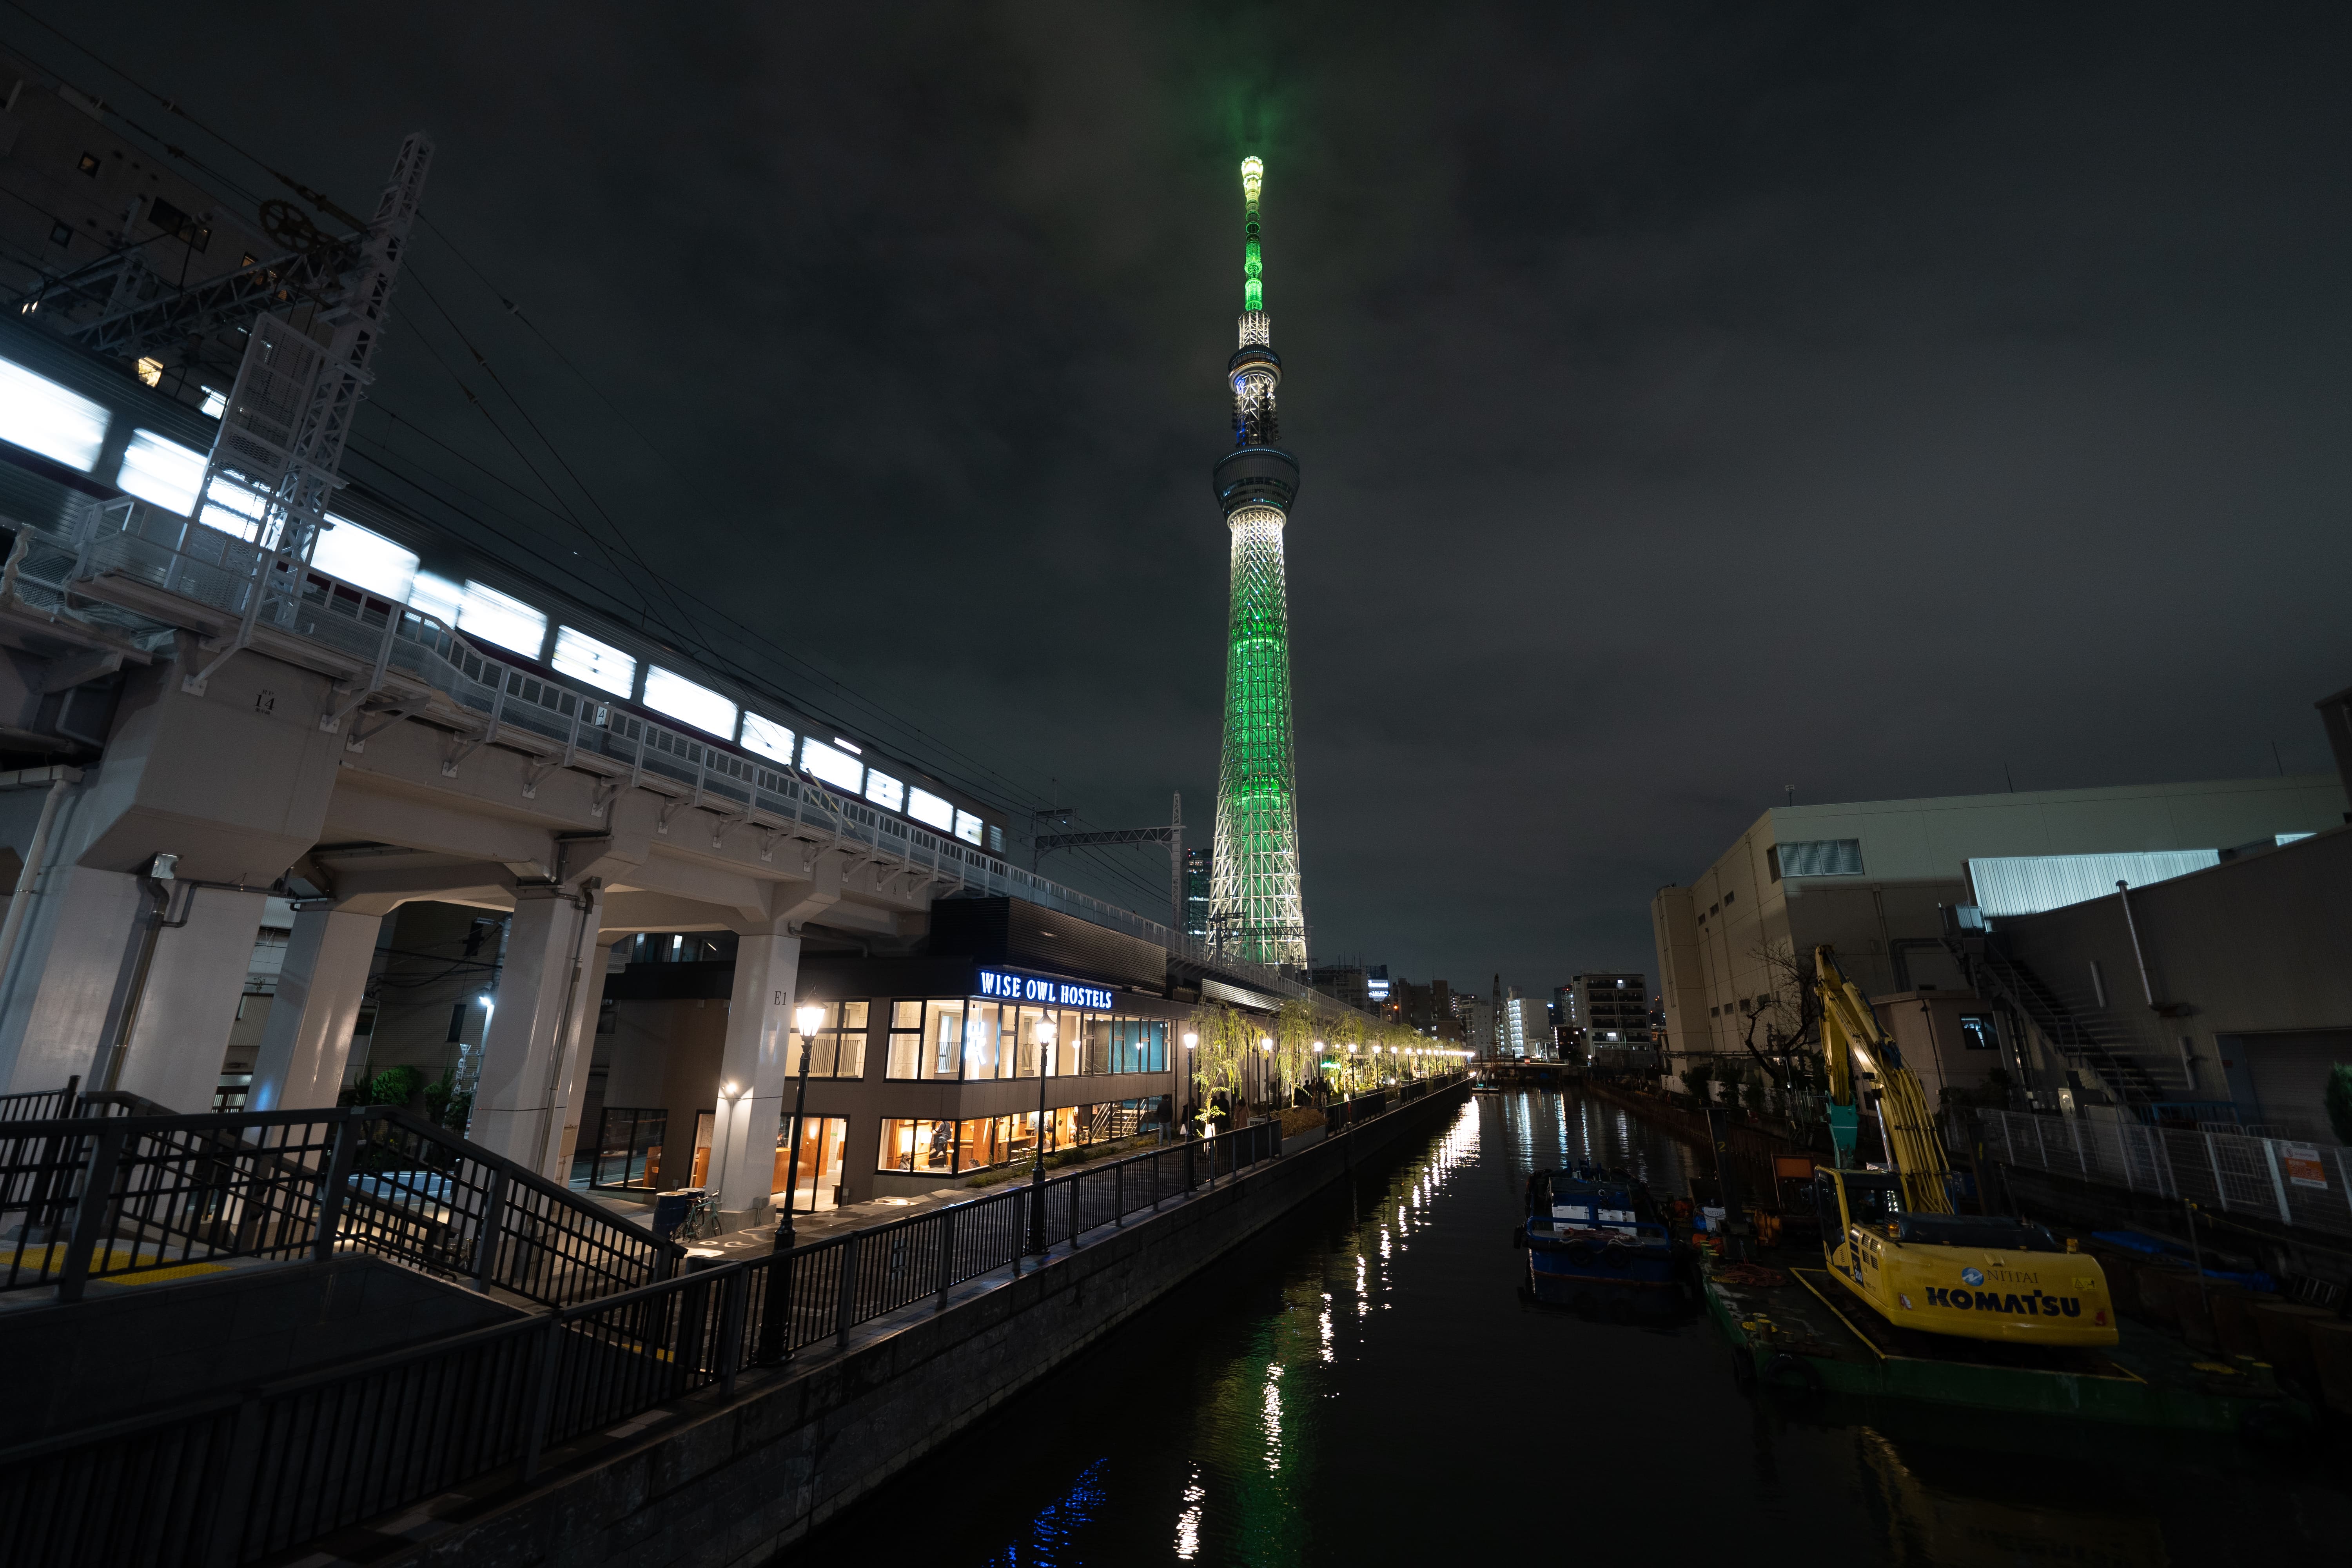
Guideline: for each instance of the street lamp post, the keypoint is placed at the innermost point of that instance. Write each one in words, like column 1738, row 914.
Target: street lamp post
column 811, row 1018
column 1191, row 1040
column 1037, row 1160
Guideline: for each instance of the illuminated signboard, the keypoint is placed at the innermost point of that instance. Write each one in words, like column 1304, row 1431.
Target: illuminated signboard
column 1053, row 992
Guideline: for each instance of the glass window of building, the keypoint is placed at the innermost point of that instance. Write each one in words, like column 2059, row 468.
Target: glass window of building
column 969, row 1038
column 1068, row 1032
column 1138, row 1045
column 906, row 1057
column 919, row 1147
column 884, row 791
column 816, row 1184
column 981, row 1056
column 942, row 1040
column 838, row 1049
column 967, row 825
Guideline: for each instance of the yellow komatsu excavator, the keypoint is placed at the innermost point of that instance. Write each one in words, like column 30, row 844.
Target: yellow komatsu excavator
column 1890, row 1237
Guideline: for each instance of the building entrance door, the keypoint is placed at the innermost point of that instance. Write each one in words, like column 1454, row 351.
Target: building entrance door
column 821, row 1138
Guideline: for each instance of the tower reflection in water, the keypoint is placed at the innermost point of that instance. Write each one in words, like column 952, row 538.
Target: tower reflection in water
column 1363, row 1386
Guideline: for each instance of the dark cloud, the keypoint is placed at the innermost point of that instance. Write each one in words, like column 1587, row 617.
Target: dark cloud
column 1693, row 400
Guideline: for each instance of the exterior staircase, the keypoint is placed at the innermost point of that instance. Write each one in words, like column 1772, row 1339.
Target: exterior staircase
column 2131, row 1076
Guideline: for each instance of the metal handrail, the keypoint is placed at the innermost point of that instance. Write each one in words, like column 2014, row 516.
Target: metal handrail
column 519, row 706
column 114, row 1196
column 41, row 1104
column 236, row 1477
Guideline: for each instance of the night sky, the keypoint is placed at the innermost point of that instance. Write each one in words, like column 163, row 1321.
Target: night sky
column 1693, row 401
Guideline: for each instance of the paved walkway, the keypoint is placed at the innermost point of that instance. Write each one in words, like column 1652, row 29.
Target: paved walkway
column 744, row 1233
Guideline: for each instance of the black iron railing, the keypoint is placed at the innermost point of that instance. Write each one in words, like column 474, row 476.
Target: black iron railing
column 239, row 1478
column 99, row 1196
column 40, row 1104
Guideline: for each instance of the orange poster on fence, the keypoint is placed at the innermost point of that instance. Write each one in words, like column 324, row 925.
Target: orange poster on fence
column 2301, row 1163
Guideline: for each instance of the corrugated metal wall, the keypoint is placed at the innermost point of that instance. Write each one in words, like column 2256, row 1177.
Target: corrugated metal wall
column 2029, row 884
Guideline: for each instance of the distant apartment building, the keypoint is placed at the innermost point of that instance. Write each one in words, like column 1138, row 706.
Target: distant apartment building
column 1874, row 878
column 1611, row 1009
column 96, row 229
column 1348, row 984
column 1424, row 1009
column 1525, row 1028
column 1196, row 894
column 1478, row 1022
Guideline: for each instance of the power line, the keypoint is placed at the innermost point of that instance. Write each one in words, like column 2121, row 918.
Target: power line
column 1003, row 780
column 171, row 106
column 686, row 633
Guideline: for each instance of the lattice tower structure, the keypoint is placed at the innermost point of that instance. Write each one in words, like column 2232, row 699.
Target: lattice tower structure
column 275, row 464
column 1256, row 911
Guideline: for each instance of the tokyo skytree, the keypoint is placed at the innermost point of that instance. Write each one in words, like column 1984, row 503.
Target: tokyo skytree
column 1254, row 907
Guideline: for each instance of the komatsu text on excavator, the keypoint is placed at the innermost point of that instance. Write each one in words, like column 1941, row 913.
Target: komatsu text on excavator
column 1891, row 1236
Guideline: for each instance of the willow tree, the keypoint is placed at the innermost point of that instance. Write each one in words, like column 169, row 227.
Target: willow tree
column 1227, row 1040
column 1298, row 1025
column 1349, row 1039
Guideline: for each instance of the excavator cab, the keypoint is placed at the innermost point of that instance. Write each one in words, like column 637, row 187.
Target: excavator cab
column 1846, row 1200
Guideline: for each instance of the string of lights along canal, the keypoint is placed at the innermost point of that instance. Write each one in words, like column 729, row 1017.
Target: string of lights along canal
column 1365, row 1387
column 1255, row 908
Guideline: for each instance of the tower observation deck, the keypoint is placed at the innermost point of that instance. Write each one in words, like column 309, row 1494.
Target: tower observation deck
column 1255, row 911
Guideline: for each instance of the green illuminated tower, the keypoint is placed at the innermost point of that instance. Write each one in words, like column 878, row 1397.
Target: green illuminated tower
column 1254, row 907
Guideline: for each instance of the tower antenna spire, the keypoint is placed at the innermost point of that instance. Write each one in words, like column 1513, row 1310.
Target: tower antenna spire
column 1255, row 909
column 1252, row 269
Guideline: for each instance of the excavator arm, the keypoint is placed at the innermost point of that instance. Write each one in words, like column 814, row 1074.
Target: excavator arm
column 1853, row 1044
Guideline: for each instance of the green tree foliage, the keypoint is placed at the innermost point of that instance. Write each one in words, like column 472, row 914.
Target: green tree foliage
column 395, row 1085
column 2338, row 1101
column 1226, row 1037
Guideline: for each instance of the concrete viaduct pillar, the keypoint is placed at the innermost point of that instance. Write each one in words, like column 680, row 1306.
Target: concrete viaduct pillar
column 234, row 785
column 759, row 1049
column 531, row 1064
column 309, row 1035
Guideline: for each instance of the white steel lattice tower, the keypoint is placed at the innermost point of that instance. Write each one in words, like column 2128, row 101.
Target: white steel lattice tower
column 1255, row 911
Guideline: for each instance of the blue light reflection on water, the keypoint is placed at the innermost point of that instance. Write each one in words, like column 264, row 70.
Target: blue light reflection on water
column 1056, row 1533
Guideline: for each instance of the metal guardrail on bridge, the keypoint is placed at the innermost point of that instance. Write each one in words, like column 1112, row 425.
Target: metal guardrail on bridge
column 239, row 1478
column 2293, row 1182
column 371, row 640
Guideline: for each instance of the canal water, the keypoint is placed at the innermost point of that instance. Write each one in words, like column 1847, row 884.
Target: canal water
column 1365, row 1387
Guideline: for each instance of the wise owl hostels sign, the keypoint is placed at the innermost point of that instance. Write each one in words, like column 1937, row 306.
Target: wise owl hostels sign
column 1008, row 986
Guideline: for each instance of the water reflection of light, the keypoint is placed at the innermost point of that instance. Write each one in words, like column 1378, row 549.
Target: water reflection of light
column 1324, row 1322
column 1053, row 1532
column 1188, row 1523
column 1273, row 1420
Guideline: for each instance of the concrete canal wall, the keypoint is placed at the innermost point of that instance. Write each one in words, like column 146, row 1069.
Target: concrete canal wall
column 733, row 1484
